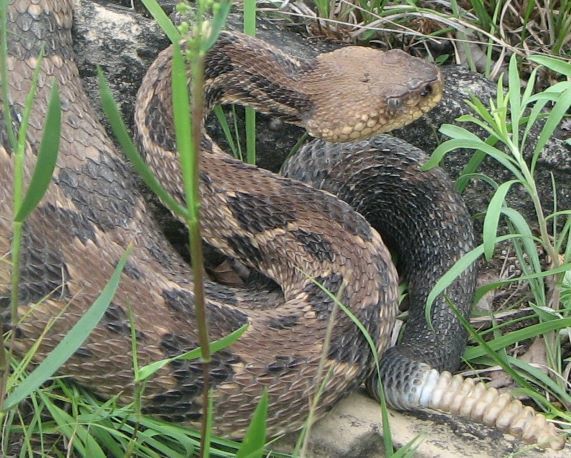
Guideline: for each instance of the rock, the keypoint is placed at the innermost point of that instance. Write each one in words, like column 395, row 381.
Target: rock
column 353, row 429
column 119, row 41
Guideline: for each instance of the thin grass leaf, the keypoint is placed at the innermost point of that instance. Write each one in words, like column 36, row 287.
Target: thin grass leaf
column 148, row 370
column 527, row 93
column 387, row 436
column 47, row 157
column 553, row 120
column 253, row 443
column 458, row 132
column 489, row 128
column 478, row 107
column 541, row 378
column 483, row 290
column 162, row 429
column 106, row 438
column 72, row 340
column 209, row 423
column 521, row 227
column 221, row 11
column 154, row 433
column 566, row 232
column 534, row 114
column 464, row 179
column 78, row 436
column 557, row 65
column 551, row 94
column 516, row 336
column 4, row 83
column 250, row 114
column 514, row 96
column 18, row 178
column 492, row 218
column 182, row 119
column 499, row 111
column 163, row 20
column 455, row 271
column 463, row 143
column 223, row 122
column 482, row 14
column 122, row 135
column 409, row 449
column 499, row 358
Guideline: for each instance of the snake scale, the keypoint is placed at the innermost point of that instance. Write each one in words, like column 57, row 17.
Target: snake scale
column 294, row 234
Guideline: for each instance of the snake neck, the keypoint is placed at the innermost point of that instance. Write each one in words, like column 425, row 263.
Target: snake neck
column 245, row 70
column 237, row 71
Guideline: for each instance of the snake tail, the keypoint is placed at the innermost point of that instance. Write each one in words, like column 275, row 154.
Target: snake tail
column 464, row 397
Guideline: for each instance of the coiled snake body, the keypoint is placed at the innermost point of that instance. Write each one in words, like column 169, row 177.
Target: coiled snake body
column 296, row 235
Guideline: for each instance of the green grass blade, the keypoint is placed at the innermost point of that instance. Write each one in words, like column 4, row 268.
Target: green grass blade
column 505, row 341
column 534, row 114
column 514, row 96
column 221, row 11
column 221, row 117
column 557, row 65
column 409, row 449
column 253, row 443
column 72, row 341
column 47, row 157
column 456, row 270
column 492, row 218
column 498, row 358
column 478, row 107
column 209, row 422
column 163, row 20
column 122, row 135
column 148, row 370
column 521, row 227
column 475, row 144
column 77, row 435
column 542, row 378
column 557, row 113
column 387, row 436
column 250, row 114
column 466, row 176
column 552, row 93
column 4, row 84
column 483, row 290
column 182, row 119
column 250, row 17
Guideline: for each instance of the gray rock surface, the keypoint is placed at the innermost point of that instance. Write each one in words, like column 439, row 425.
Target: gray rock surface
column 353, row 429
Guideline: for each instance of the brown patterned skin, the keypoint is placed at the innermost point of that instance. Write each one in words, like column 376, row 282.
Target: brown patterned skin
column 287, row 230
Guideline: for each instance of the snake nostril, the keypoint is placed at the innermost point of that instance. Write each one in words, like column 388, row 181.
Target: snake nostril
column 426, row 90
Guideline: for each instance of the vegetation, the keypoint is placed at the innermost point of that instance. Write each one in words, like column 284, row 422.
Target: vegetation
column 486, row 35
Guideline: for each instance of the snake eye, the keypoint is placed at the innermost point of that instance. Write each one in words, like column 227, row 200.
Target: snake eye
column 394, row 103
column 426, row 90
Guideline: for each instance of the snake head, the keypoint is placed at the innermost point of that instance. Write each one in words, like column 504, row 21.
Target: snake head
column 358, row 92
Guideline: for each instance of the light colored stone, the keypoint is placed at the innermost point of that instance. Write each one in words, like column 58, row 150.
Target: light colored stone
column 353, row 429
